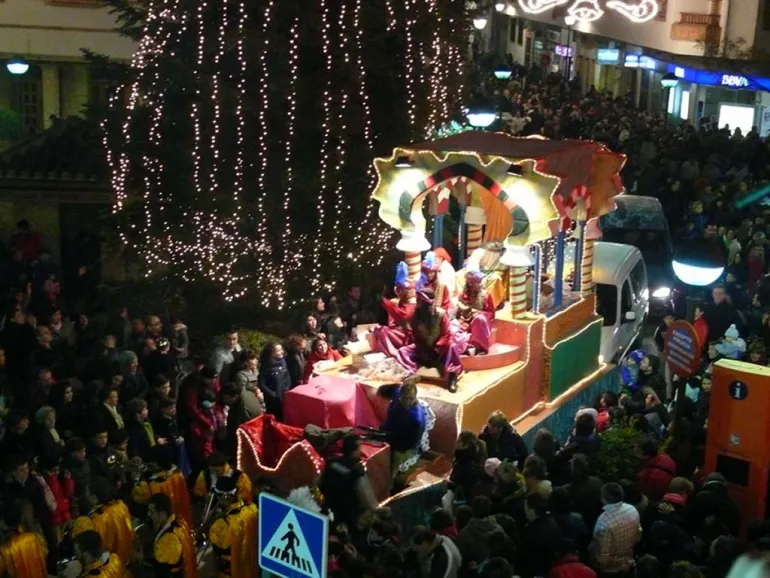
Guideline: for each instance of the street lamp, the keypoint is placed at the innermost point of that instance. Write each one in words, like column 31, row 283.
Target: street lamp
column 699, row 262
column 480, row 22
column 481, row 113
column 668, row 82
column 499, row 6
column 570, row 21
column 17, row 65
column 502, row 72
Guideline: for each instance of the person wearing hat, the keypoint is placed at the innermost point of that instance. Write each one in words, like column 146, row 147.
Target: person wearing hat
column 446, row 273
column 476, row 311
column 389, row 338
column 233, row 534
column 732, row 346
column 434, row 344
column 429, row 281
column 713, row 500
column 165, row 479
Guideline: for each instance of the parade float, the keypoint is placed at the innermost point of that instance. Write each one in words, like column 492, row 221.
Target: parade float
column 536, row 203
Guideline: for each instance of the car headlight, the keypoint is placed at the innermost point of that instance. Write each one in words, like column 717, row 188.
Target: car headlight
column 662, row 293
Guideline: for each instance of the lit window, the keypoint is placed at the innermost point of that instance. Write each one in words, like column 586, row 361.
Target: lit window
column 684, row 108
column 671, row 100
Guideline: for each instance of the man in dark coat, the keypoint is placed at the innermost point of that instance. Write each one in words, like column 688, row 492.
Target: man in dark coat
column 244, row 406
column 713, row 500
column 502, row 440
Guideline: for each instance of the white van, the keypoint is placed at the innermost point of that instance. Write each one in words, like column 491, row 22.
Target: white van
column 622, row 297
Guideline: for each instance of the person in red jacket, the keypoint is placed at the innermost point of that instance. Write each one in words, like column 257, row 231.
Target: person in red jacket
column 63, row 488
column 321, row 351
column 657, row 470
column 567, row 564
column 701, row 327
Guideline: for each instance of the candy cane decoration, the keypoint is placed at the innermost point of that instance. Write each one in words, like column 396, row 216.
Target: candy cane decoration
column 413, row 262
column 517, row 291
column 591, row 233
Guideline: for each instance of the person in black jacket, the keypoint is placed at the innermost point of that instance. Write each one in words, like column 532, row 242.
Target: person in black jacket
column 713, row 500
column 141, row 437
column 502, row 440
column 296, row 357
column 274, row 378
column 540, row 539
column 345, row 486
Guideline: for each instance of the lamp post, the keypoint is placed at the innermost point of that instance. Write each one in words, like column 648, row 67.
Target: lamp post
column 570, row 21
column 481, row 112
column 668, row 82
column 17, row 65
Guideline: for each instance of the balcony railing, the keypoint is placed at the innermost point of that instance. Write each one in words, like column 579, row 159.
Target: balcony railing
column 699, row 19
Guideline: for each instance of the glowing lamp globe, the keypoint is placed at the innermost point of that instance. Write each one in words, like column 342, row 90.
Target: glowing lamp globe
column 480, row 23
column 502, row 72
column 499, row 6
column 699, row 262
column 481, row 113
column 669, row 80
column 570, row 20
column 17, row 65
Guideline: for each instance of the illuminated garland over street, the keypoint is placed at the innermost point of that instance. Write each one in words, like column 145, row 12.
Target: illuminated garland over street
column 242, row 153
column 638, row 11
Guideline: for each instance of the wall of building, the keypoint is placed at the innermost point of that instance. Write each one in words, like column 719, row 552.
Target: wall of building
column 58, row 29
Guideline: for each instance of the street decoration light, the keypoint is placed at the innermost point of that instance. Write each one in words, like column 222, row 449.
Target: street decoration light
column 499, row 6
column 699, row 262
column 17, row 65
column 481, row 113
column 637, row 11
column 480, row 22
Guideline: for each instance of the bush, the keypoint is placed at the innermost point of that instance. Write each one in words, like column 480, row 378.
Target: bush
column 615, row 459
column 249, row 339
column 10, row 126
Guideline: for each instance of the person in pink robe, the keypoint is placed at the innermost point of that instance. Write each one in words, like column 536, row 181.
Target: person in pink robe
column 433, row 344
column 476, row 310
column 397, row 333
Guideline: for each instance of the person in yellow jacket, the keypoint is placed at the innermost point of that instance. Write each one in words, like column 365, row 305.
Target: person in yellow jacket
column 24, row 553
column 167, row 479
column 111, row 520
column 172, row 552
column 95, row 560
column 218, row 467
column 233, row 535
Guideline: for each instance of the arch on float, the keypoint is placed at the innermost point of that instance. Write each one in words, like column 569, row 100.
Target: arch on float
column 416, row 193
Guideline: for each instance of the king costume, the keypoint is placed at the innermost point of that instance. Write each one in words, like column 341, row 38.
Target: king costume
column 388, row 339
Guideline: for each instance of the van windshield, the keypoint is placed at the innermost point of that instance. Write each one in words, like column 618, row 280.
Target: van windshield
column 607, row 303
column 652, row 243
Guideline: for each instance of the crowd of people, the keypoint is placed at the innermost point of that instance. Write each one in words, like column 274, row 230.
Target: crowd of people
column 110, row 429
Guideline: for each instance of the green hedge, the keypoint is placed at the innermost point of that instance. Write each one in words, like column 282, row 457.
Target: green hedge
column 249, row 339
column 615, row 459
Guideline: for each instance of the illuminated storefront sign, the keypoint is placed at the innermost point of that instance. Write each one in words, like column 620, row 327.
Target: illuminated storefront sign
column 640, row 61
column 608, row 55
column 734, row 81
column 712, row 78
column 564, row 51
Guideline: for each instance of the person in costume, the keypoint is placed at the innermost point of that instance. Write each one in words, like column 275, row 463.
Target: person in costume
column 24, row 553
column 407, row 424
column 434, row 344
column 168, row 480
column 429, row 281
column 233, row 535
column 476, row 310
column 446, row 272
column 110, row 519
column 220, row 468
column 94, row 559
column 172, row 552
column 388, row 339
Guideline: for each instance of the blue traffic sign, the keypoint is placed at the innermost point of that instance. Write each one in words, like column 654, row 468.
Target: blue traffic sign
column 293, row 542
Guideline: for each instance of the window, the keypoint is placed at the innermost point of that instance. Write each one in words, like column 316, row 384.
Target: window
column 607, row 303
column 27, row 100
column 639, row 277
column 627, row 300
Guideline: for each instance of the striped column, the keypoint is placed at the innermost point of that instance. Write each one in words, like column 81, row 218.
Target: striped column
column 517, row 291
column 413, row 262
column 558, row 280
column 537, row 270
column 586, row 269
column 475, row 233
column 577, row 274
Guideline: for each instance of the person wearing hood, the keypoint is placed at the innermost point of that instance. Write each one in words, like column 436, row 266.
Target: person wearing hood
column 732, row 345
column 713, row 500
column 629, row 372
column 658, row 470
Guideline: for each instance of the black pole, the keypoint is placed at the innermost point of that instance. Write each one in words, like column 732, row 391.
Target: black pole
column 569, row 56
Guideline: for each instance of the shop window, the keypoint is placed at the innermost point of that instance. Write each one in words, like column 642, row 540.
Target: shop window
column 27, row 100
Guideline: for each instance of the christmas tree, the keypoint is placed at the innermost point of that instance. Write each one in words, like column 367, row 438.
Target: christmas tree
column 241, row 147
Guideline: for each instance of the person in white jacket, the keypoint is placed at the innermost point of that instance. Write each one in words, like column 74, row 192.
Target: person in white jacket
column 438, row 554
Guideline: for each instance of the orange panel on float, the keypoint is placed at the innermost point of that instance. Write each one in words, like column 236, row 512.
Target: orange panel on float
column 739, row 433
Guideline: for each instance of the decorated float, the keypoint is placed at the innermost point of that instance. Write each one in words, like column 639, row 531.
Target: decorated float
column 528, row 210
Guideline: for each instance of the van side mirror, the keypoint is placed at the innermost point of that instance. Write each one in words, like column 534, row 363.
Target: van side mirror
column 630, row 316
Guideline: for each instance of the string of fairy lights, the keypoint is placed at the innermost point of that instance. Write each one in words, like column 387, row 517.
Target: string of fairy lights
column 222, row 230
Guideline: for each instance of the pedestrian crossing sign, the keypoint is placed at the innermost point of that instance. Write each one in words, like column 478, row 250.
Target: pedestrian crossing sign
column 293, row 542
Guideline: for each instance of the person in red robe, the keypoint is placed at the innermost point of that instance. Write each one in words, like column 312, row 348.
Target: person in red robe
column 397, row 333
column 429, row 281
column 476, row 310
column 434, row 344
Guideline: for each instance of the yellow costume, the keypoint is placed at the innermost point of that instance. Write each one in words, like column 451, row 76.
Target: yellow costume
column 23, row 555
column 112, row 568
column 203, row 484
column 112, row 521
column 173, row 551
column 234, row 539
column 169, row 482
